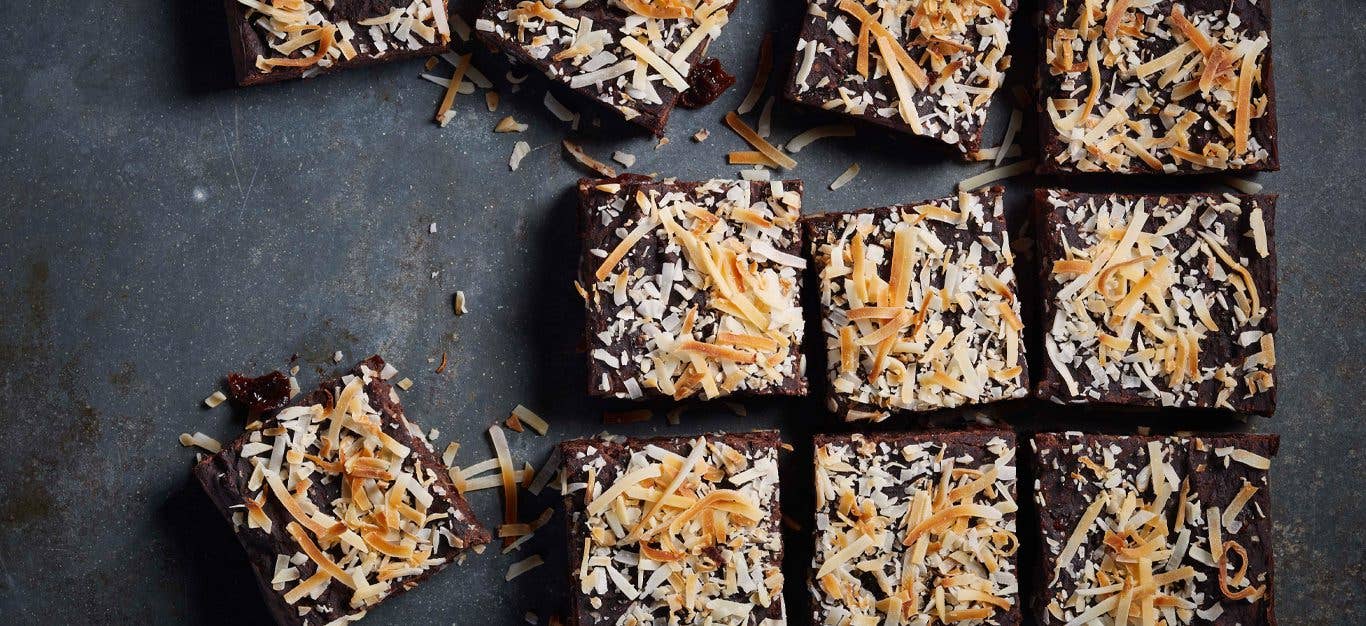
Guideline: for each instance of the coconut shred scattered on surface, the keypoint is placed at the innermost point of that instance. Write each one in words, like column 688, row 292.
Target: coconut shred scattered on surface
column 912, row 532
column 688, row 326
column 389, row 521
column 919, row 307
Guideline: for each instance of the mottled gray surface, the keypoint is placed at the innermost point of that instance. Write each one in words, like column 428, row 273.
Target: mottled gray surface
column 162, row 228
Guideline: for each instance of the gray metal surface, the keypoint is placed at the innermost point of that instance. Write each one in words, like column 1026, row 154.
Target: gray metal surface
column 161, row 228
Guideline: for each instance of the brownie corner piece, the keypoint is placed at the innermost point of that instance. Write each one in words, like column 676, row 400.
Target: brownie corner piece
column 1174, row 87
column 675, row 529
column 692, row 287
column 1158, row 300
column 918, row 306
column 932, row 74
column 338, row 504
column 634, row 58
column 906, row 521
column 1193, row 546
column 271, row 42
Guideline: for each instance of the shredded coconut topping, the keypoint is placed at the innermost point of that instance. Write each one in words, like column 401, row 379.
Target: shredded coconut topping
column 695, row 288
column 918, row 306
column 915, row 529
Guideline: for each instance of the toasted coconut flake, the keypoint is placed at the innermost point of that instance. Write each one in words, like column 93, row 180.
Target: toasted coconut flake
column 506, row 470
column 844, row 178
column 796, row 144
column 756, row 89
column 216, row 398
column 993, row 175
column 1008, row 141
column 447, row 100
column 531, row 419
column 509, row 125
column 523, row 566
column 759, row 143
column 201, row 440
column 519, row 151
column 1239, row 501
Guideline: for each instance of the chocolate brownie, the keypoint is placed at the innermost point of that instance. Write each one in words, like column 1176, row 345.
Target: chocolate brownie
column 1171, row 86
column 692, row 287
column 918, row 306
column 926, row 68
column 632, row 56
column 274, row 41
column 338, row 502
column 1158, row 300
column 674, row 530
column 1175, row 530
column 916, row 528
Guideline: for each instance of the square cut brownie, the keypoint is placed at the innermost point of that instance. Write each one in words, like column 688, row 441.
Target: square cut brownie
column 339, row 502
column 633, row 56
column 918, row 306
column 1169, row 86
column 674, row 530
column 1173, row 530
column 274, row 41
column 1162, row 300
column 916, row 528
column 692, row 286
column 925, row 67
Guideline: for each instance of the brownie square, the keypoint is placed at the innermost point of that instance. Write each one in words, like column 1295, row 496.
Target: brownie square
column 692, row 287
column 948, row 62
column 633, row 57
column 918, row 306
column 274, row 41
column 1191, row 547
column 677, row 530
column 1158, row 300
column 1172, row 86
column 902, row 518
column 338, row 503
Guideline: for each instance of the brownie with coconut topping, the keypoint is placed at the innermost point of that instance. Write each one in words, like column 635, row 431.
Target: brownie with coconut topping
column 632, row 56
column 918, row 306
column 1158, row 300
column 677, row 530
column 916, row 526
column 1173, row 530
column 692, row 288
column 339, row 502
column 925, row 67
column 274, row 41
column 1171, row 86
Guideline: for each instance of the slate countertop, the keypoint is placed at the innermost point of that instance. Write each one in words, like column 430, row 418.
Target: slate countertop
column 162, row 227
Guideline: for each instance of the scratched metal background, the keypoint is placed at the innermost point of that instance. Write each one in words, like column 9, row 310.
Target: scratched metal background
column 162, row 228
